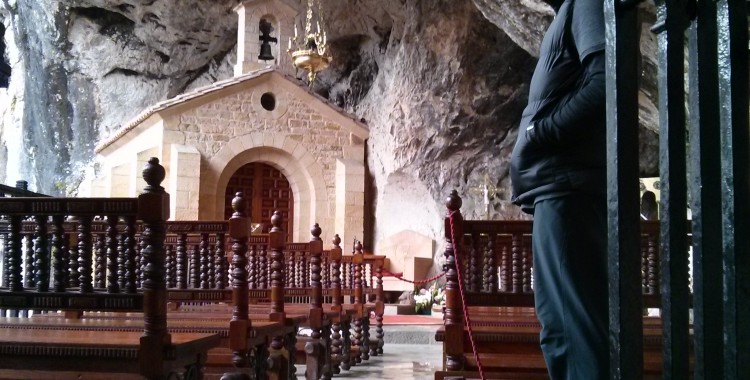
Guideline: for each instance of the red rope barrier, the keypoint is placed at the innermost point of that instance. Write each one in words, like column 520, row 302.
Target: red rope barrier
column 463, row 300
column 416, row 282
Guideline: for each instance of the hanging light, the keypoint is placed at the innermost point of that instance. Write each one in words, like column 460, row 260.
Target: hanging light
column 309, row 51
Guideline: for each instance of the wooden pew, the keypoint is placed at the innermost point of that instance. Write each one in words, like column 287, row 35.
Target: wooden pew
column 150, row 351
column 492, row 262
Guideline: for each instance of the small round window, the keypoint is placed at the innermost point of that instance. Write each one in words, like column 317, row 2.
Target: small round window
column 268, row 101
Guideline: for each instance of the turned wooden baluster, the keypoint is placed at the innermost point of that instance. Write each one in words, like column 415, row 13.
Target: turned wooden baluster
column 182, row 261
column 263, row 267
column 15, row 258
column 490, row 265
column 212, row 266
column 526, row 264
column 73, row 275
column 121, row 261
column 171, row 267
column 100, row 261
column 644, row 264
column 153, row 210
column 653, row 264
column 220, row 263
column 276, row 246
column 41, row 254
column 325, row 271
column 28, row 269
column 6, row 257
column 379, row 310
column 204, row 262
column 304, row 271
column 358, row 340
column 195, row 266
column 516, row 264
column 139, row 264
column 334, row 256
column 113, row 285
column 240, row 325
column 474, row 274
column 289, row 279
column 454, row 323
column 58, row 254
column 131, row 275
column 252, row 273
column 505, row 273
column 316, row 301
column 85, row 254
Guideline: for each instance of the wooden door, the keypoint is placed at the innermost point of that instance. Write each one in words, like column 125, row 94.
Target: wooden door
column 267, row 190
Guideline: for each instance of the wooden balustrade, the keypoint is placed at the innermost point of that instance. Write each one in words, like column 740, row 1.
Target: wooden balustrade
column 492, row 262
column 98, row 276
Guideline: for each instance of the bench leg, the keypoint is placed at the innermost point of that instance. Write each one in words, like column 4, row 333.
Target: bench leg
column 378, row 350
column 278, row 365
column 315, row 359
column 328, row 360
column 365, row 348
column 346, row 349
column 260, row 364
column 357, row 341
column 336, row 348
column 290, row 342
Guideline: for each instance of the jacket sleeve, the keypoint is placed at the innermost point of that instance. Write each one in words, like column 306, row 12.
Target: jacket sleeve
column 584, row 110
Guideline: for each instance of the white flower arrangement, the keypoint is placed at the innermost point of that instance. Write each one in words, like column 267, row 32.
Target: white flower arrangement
column 425, row 298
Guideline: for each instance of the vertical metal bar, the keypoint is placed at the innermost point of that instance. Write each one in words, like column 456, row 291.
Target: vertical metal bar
column 733, row 118
column 673, row 260
column 624, row 267
column 703, row 182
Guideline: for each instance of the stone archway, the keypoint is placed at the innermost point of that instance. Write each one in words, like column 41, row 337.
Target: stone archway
column 304, row 174
column 267, row 190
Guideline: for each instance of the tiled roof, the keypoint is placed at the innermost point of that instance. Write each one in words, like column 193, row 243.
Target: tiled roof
column 212, row 88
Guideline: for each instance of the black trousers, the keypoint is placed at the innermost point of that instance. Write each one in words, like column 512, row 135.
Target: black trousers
column 569, row 242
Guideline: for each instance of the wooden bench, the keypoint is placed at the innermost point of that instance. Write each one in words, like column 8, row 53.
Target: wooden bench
column 153, row 352
column 492, row 262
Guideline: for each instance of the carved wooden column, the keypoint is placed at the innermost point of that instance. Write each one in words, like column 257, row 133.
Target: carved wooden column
column 318, row 358
column 240, row 325
column 334, row 256
column 153, row 210
column 276, row 246
column 379, row 310
column 358, row 340
column 454, row 323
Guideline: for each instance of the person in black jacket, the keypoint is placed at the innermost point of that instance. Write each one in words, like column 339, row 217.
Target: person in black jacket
column 558, row 173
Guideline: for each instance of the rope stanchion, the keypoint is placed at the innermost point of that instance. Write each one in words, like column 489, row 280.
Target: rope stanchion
column 416, row 282
column 463, row 300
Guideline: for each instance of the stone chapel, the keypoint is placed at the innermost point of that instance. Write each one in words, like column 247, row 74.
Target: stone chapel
column 261, row 132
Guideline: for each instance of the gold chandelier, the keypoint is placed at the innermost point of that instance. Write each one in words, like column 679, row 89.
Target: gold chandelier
column 310, row 51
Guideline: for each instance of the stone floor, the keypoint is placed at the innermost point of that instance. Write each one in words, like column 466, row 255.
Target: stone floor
column 400, row 361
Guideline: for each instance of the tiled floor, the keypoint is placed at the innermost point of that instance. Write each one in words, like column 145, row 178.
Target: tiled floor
column 400, row 361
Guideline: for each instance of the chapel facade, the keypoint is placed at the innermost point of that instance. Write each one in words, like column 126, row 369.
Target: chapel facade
column 261, row 132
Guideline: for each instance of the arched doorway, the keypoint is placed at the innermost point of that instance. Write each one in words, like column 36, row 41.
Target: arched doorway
column 267, row 190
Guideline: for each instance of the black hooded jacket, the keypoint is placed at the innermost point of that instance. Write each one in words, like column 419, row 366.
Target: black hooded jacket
column 561, row 141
